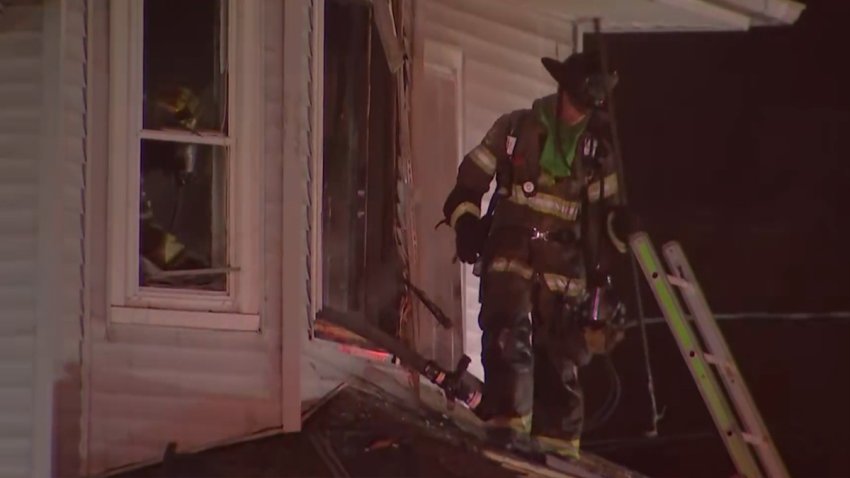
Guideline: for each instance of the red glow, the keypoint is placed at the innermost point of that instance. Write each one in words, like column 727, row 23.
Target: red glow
column 367, row 354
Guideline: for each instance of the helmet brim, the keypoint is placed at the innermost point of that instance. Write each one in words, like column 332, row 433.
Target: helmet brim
column 555, row 68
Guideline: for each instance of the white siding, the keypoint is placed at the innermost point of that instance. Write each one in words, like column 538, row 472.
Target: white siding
column 69, row 266
column 153, row 385
column 20, row 110
column 298, row 110
column 501, row 50
column 42, row 155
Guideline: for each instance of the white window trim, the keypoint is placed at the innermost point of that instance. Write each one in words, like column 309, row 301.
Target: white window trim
column 317, row 163
column 239, row 307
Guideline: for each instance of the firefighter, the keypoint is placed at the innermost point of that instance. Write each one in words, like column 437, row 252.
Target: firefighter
column 544, row 252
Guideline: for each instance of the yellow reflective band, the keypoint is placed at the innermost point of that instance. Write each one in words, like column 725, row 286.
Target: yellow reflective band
column 612, row 235
column 484, row 159
column 521, row 424
column 547, row 204
column 594, row 190
column 501, row 264
column 464, row 208
column 568, row 286
column 171, row 247
column 566, row 448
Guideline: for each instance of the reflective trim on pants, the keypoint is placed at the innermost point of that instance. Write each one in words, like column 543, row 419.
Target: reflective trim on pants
column 519, row 424
column 565, row 448
column 516, row 266
column 570, row 286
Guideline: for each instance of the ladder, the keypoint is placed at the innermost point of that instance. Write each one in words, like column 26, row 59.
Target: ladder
column 706, row 364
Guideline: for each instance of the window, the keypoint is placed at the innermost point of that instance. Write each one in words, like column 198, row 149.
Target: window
column 360, row 265
column 184, row 162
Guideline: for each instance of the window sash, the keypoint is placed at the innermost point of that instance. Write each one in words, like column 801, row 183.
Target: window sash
column 242, row 140
column 215, row 139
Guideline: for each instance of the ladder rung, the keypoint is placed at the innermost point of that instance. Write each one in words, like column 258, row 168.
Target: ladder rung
column 710, row 358
column 752, row 439
column 679, row 282
column 725, row 366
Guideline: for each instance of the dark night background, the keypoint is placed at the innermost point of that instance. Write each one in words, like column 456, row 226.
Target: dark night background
column 738, row 146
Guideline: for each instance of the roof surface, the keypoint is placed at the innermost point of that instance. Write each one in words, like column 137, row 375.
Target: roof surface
column 366, row 430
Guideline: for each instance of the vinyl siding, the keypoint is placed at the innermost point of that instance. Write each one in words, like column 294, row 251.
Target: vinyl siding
column 20, row 128
column 153, row 385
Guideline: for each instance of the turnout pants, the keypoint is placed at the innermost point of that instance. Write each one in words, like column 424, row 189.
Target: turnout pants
column 531, row 345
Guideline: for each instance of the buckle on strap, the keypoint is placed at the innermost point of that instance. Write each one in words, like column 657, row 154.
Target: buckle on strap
column 561, row 237
column 537, row 234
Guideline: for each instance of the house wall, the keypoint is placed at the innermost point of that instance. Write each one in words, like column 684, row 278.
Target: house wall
column 300, row 195
column 42, row 155
column 66, row 268
column 498, row 51
column 20, row 96
column 151, row 385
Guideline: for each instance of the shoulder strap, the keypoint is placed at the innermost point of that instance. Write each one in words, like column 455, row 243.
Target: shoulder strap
column 525, row 160
column 505, row 166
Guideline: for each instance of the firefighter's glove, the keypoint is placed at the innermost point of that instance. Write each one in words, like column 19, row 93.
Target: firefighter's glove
column 622, row 223
column 469, row 238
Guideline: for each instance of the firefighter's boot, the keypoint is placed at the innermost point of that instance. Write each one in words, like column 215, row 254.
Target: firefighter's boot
column 565, row 448
column 510, row 433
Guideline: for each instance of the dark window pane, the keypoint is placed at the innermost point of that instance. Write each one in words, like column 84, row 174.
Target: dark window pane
column 182, row 228
column 361, row 266
column 345, row 153
column 185, row 63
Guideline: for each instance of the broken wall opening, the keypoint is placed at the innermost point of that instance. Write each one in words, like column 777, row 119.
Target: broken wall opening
column 360, row 266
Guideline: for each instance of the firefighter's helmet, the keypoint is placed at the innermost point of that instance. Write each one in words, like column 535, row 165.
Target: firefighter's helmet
column 581, row 75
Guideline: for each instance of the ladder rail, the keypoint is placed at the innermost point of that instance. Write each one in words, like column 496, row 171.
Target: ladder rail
column 727, row 367
column 702, row 372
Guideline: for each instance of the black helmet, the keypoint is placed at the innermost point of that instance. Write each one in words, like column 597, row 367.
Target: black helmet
column 582, row 77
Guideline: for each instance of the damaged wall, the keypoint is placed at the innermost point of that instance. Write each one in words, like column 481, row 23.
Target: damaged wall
column 474, row 60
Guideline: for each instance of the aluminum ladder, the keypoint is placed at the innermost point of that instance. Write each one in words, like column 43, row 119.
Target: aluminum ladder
column 706, row 364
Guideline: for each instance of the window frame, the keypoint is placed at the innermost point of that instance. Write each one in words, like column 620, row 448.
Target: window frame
column 317, row 118
column 238, row 307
